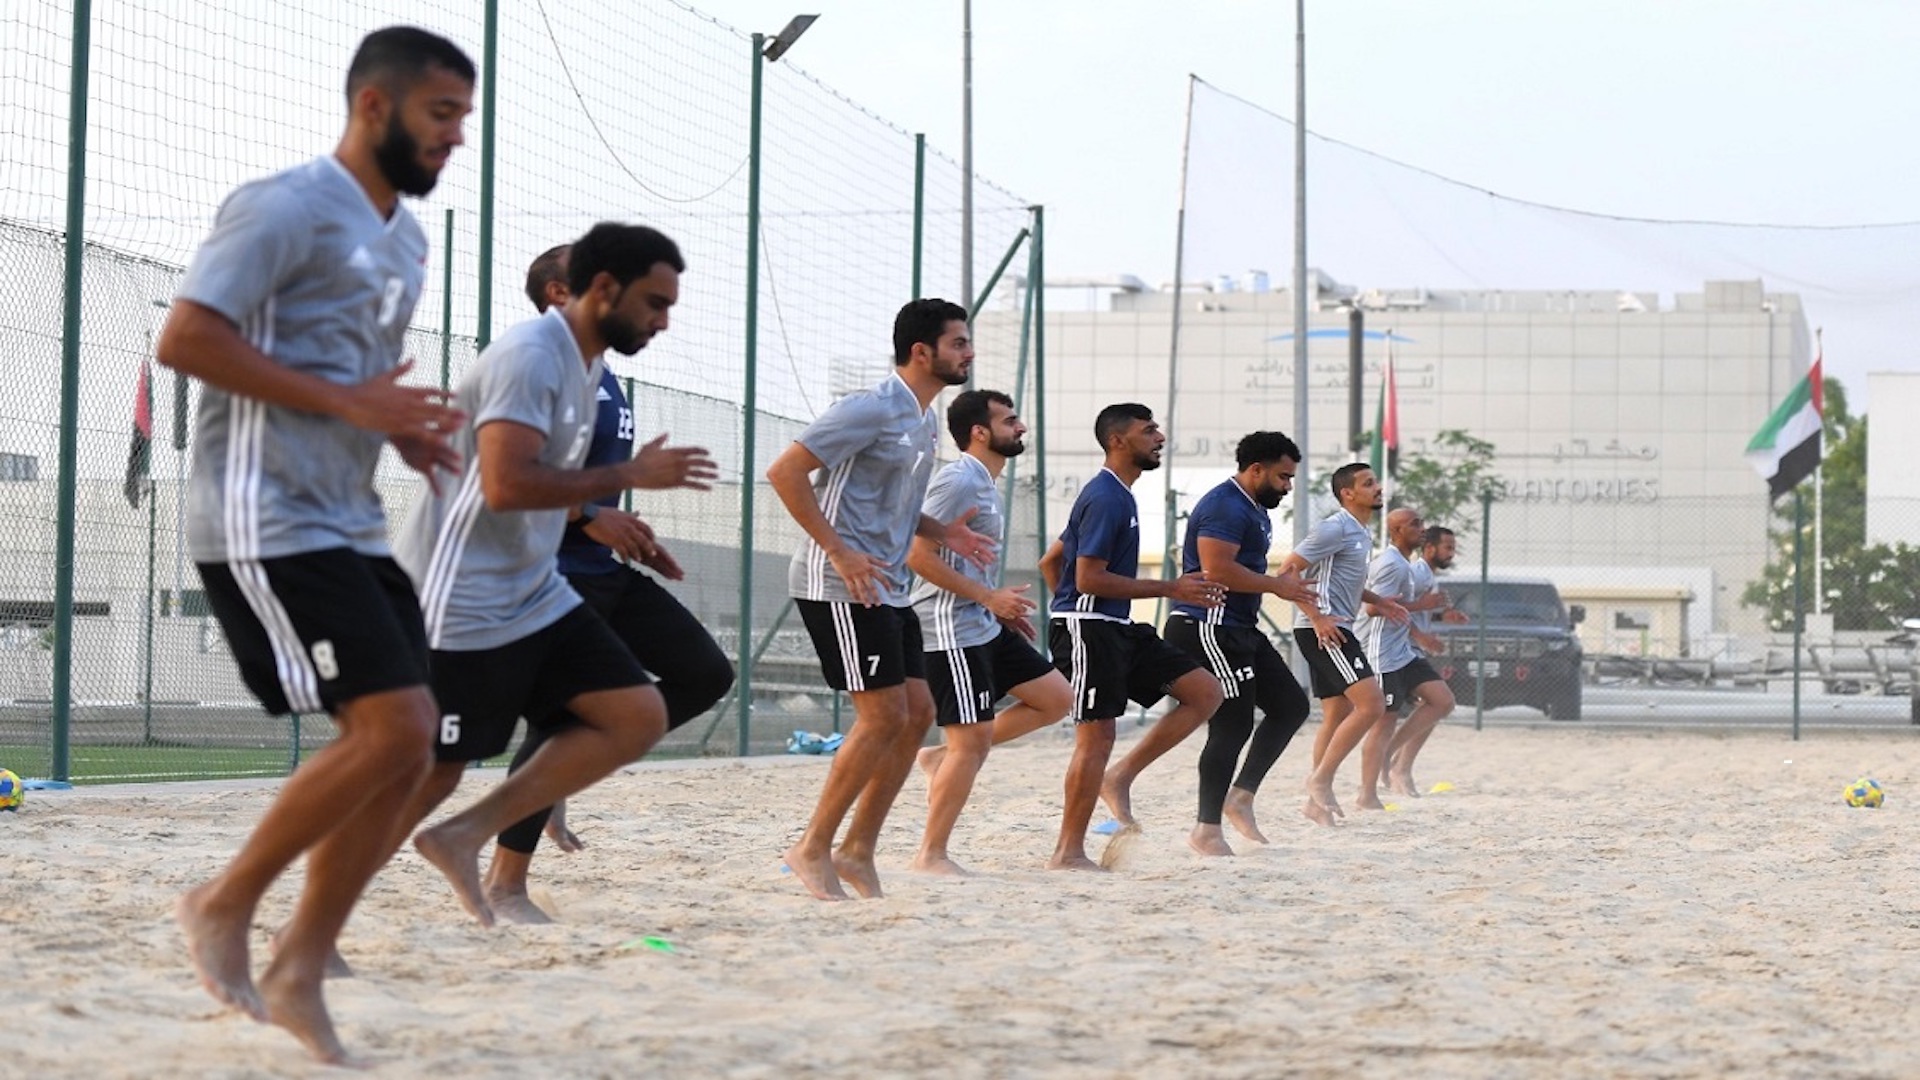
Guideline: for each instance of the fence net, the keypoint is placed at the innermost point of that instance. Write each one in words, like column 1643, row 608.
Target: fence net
column 184, row 104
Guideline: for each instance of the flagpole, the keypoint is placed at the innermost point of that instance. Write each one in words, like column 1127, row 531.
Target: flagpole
column 1819, row 503
column 1169, row 499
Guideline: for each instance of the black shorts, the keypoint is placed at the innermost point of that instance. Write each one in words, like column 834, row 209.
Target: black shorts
column 482, row 692
column 1333, row 671
column 864, row 648
column 1110, row 663
column 1232, row 653
column 967, row 682
column 314, row 631
column 1399, row 685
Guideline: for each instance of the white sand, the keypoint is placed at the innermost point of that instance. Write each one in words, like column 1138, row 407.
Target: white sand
column 1582, row 904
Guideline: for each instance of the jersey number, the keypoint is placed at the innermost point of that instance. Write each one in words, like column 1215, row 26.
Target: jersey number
column 873, row 665
column 390, row 301
column 626, row 425
column 1091, row 692
column 450, row 729
column 324, row 662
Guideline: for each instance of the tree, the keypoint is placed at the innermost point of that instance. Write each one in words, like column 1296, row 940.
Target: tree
column 1446, row 485
column 1866, row 586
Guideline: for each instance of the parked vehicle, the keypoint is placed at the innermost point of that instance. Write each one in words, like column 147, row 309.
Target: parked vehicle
column 1532, row 656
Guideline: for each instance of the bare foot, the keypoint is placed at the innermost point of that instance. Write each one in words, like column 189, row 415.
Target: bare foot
column 1238, row 812
column 1317, row 813
column 1118, row 796
column 337, row 967
column 816, row 874
column 1206, row 840
column 1400, row 782
column 297, row 1005
column 1368, row 800
column 1320, row 793
column 459, row 861
column 939, row 865
column 1075, row 862
column 217, row 946
column 515, row 906
column 859, row 873
column 558, row 832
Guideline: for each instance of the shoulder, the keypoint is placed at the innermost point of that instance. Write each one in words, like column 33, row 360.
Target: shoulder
column 284, row 197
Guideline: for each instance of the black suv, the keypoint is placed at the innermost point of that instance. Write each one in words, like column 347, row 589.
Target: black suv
column 1532, row 654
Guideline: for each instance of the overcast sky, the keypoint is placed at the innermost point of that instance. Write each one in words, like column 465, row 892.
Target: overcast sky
column 1786, row 111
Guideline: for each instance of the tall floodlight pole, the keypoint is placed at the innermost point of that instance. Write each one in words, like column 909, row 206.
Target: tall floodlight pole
column 764, row 52
column 1300, row 385
column 966, row 155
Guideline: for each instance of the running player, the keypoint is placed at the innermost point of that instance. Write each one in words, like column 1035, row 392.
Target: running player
column 510, row 637
column 873, row 452
column 977, row 633
column 1334, row 557
column 294, row 315
column 1390, row 645
column 1434, row 697
column 600, row 556
column 1228, row 537
column 1108, row 658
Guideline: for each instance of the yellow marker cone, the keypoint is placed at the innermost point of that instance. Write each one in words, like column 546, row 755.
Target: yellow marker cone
column 1439, row 787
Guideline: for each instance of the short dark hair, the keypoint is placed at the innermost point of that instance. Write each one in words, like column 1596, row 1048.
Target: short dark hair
column 398, row 56
column 1115, row 419
column 1345, row 476
column 1264, row 448
column 970, row 409
column 1434, row 534
column 921, row 322
column 549, row 267
column 627, row 252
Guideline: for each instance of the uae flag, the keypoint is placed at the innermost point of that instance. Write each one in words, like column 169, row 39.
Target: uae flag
column 1787, row 448
column 140, row 454
column 1385, row 455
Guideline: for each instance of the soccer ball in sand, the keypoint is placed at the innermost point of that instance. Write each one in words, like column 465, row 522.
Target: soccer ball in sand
column 1864, row 792
column 12, row 791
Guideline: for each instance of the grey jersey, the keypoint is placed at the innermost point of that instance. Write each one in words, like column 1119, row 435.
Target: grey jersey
column 486, row 577
column 876, row 452
column 1389, row 644
column 948, row 621
column 316, row 279
column 1336, row 551
column 1423, row 584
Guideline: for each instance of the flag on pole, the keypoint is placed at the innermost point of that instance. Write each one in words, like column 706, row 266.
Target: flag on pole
column 1385, row 454
column 140, row 454
column 1788, row 447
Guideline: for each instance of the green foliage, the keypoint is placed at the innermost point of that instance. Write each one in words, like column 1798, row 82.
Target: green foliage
column 1446, row 485
column 1866, row 586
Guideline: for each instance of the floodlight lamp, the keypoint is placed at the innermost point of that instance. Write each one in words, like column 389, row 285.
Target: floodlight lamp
column 785, row 38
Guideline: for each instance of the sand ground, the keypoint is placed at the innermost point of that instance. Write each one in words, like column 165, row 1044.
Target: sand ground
column 1581, row 904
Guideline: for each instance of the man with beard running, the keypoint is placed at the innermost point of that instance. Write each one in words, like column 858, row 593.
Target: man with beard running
column 1435, row 699
column 510, row 636
column 977, row 633
column 1108, row 658
column 1228, row 537
column 872, row 452
column 294, row 315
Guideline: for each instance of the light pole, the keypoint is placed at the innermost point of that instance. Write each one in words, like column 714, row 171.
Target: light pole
column 764, row 52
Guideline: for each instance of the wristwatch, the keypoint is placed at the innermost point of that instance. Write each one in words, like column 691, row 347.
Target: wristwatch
column 589, row 511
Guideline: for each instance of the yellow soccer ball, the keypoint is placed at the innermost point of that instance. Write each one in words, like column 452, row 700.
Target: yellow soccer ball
column 13, row 791
column 1864, row 792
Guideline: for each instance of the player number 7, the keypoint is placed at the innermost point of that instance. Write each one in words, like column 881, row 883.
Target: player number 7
column 873, row 665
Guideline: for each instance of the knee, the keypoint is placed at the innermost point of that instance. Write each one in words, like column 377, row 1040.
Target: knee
column 1053, row 699
column 1442, row 700
column 1201, row 691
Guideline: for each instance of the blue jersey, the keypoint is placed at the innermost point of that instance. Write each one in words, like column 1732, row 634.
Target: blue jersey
column 1227, row 513
column 1104, row 524
column 612, row 443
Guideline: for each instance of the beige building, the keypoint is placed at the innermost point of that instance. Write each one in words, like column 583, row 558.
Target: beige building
column 1618, row 419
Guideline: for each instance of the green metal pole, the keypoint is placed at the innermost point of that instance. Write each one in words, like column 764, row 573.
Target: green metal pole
column 1799, row 527
column 146, row 692
column 1039, row 287
column 750, row 402
column 489, row 128
column 446, row 302
column 70, row 393
column 1019, row 393
column 919, row 208
column 1480, row 650
column 981, row 301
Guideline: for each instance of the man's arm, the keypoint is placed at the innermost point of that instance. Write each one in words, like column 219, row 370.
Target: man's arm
column 200, row 342
column 513, row 478
column 1052, row 564
column 788, row 476
column 1091, row 577
column 1217, row 561
column 1007, row 604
